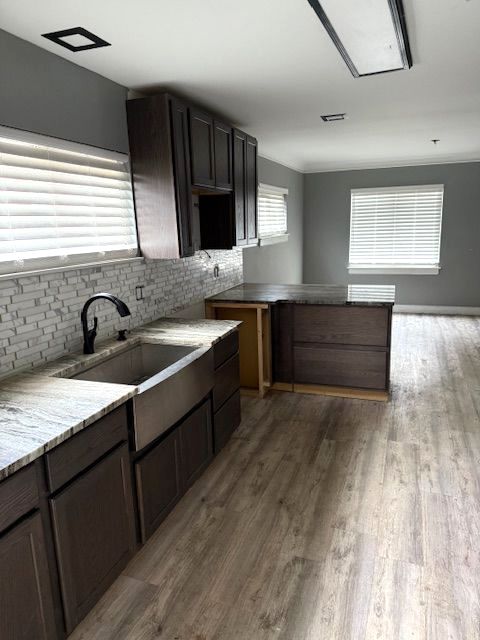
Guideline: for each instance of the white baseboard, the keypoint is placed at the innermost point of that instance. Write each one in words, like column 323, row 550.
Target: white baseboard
column 435, row 310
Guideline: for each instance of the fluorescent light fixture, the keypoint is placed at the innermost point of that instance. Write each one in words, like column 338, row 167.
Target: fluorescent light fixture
column 371, row 35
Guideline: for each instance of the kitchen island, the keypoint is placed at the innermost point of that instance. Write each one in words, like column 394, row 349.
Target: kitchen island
column 329, row 339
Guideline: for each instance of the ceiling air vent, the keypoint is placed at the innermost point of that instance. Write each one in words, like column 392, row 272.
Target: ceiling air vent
column 334, row 117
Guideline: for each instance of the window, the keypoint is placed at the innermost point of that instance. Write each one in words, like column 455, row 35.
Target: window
column 62, row 203
column 272, row 214
column 396, row 229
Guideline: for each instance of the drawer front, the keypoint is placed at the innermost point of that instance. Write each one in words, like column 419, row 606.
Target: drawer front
column 342, row 367
column 18, row 496
column 225, row 349
column 73, row 456
column 225, row 421
column 367, row 326
column 227, row 381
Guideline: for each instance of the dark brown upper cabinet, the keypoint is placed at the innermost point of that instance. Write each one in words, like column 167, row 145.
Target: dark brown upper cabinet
column 223, row 156
column 160, row 163
column 181, row 155
column 251, row 188
column 202, row 148
column 245, row 188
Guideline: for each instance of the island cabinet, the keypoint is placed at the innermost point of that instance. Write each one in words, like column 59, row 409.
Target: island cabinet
column 168, row 468
column 328, row 345
column 26, row 597
column 92, row 512
column 160, row 156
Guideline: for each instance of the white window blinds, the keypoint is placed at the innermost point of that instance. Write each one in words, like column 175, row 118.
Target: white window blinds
column 396, row 229
column 272, row 211
column 62, row 203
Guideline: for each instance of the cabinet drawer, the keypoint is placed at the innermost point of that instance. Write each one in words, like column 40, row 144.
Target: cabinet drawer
column 342, row 367
column 367, row 326
column 159, row 483
column 73, row 456
column 227, row 381
column 225, row 349
column 18, row 496
column 225, row 421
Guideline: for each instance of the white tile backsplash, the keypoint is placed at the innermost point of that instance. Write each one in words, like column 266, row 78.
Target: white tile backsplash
column 40, row 314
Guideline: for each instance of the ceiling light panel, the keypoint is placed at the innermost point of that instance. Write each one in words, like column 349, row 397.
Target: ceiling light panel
column 371, row 35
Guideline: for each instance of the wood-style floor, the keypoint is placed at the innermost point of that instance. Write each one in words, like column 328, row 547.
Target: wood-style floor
column 327, row 518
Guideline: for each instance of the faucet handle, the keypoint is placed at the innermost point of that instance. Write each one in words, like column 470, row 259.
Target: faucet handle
column 93, row 332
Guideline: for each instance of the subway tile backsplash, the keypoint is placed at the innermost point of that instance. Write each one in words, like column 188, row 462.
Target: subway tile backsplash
column 40, row 314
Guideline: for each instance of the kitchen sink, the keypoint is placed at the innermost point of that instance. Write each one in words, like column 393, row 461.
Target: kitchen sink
column 170, row 381
column 137, row 365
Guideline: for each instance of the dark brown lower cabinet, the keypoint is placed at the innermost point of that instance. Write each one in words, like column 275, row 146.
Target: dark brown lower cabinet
column 26, row 606
column 159, row 483
column 226, row 420
column 171, row 466
column 340, row 367
column 226, row 392
column 94, row 532
column 344, row 346
column 196, row 444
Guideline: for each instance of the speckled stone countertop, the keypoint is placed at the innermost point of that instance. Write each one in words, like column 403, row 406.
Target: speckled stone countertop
column 41, row 409
column 328, row 294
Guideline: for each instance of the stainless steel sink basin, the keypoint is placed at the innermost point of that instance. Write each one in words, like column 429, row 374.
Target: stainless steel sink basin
column 171, row 380
column 136, row 365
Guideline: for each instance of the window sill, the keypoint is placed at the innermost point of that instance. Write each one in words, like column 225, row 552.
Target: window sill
column 273, row 239
column 70, row 267
column 433, row 271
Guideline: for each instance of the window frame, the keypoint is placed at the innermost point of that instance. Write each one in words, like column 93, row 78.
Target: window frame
column 281, row 236
column 396, row 269
column 74, row 260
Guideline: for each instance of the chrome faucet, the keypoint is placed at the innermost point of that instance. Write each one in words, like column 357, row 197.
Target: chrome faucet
column 89, row 335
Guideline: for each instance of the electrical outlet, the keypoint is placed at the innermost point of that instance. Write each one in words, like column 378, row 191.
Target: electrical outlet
column 216, row 271
column 139, row 292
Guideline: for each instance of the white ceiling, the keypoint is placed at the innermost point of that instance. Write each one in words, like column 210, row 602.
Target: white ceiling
column 269, row 66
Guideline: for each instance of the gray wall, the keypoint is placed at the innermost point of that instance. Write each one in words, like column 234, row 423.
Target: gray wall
column 279, row 263
column 44, row 93
column 327, row 224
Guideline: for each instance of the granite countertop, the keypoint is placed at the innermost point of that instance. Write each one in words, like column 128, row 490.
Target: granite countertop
column 41, row 409
column 327, row 294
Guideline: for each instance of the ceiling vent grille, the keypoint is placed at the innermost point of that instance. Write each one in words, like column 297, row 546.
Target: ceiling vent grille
column 334, row 117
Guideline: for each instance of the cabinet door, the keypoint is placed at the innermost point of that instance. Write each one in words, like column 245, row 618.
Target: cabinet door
column 94, row 533
column 251, row 190
column 223, row 156
column 239, row 185
column 159, row 483
column 196, row 440
column 226, row 420
column 202, row 148
column 25, row 592
column 183, row 186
